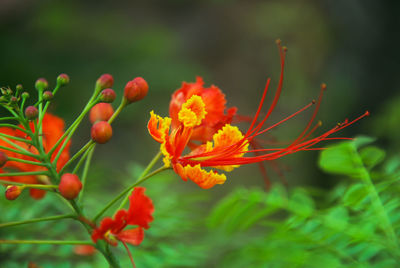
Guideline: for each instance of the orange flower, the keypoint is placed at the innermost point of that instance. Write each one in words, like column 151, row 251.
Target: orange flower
column 226, row 148
column 53, row 129
column 215, row 103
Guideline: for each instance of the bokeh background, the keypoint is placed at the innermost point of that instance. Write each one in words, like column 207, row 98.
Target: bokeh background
column 349, row 45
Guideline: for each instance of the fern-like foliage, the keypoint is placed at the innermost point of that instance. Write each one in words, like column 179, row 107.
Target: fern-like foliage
column 355, row 225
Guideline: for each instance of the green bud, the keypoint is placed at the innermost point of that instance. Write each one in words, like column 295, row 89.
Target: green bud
column 41, row 84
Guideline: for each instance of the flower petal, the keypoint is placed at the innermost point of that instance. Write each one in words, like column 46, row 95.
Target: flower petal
column 140, row 208
column 158, row 127
column 132, row 236
column 203, row 178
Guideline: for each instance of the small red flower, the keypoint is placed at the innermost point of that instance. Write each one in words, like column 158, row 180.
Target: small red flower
column 139, row 213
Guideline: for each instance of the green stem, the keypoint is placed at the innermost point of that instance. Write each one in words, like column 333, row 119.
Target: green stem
column 10, row 174
column 36, row 186
column 19, row 152
column 48, row 242
column 75, row 156
column 8, row 118
column 27, row 161
column 14, row 145
column 15, row 138
column 144, row 173
column 70, row 131
column 85, row 172
column 128, row 189
column 51, row 218
column 380, row 209
column 16, row 127
column 121, row 106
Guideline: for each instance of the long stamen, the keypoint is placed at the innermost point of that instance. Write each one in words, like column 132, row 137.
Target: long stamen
column 282, row 53
column 259, row 106
column 300, row 137
column 129, row 253
column 283, row 120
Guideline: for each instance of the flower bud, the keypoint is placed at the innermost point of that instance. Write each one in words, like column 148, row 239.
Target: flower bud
column 41, row 84
column 37, row 193
column 18, row 87
column 101, row 112
column 70, row 186
column 62, row 79
column 31, row 112
column 136, row 90
column 3, row 159
column 101, row 132
column 25, row 95
column 105, row 81
column 13, row 100
column 47, row 95
column 107, row 95
column 13, row 191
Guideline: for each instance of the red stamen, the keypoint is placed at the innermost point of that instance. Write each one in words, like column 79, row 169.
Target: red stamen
column 129, row 253
column 282, row 53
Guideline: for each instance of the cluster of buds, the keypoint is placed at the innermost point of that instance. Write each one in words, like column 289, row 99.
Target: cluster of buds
column 23, row 150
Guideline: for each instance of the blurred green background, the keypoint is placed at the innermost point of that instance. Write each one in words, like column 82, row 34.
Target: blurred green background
column 349, row 45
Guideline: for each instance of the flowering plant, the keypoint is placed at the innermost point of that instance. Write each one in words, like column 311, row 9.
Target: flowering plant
column 197, row 141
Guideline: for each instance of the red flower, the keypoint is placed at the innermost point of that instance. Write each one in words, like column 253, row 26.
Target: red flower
column 53, row 129
column 139, row 214
column 227, row 147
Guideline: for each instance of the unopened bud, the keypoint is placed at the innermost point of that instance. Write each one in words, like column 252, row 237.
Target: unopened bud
column 19, row 87
column 13, row 191
column 31, row 112
column 70, row 186
column 47, row 95
column 107, row 95
column 136, row 90
column 41, row 84
column 25, row 95
column 9, row 91
column 13, row 100
column 3, row 159
column 62, row 79
column 101, row 112
column 105, row 81
column 101, row 132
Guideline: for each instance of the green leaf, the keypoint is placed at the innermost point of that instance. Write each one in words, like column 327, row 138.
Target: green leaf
column 371, row 156
column 361, row 141
column 342, row 159
column 355, row 196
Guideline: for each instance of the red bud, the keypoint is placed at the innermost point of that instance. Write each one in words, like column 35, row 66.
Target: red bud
column 107, row 95
column 41, row 84
column 101, row 112
column 70, row 186
column 136, row 89
column 62, row 79
column 13, row 191
column 101, row 132
column 105, row 81
column 31, row 112
column 47, row 95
